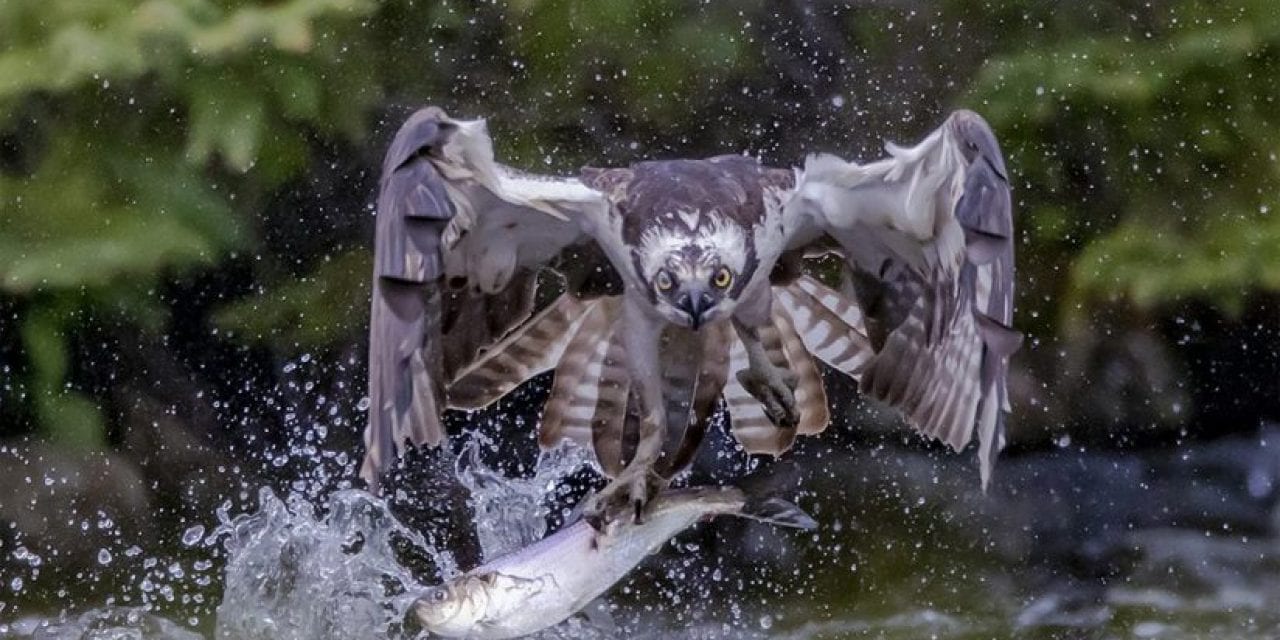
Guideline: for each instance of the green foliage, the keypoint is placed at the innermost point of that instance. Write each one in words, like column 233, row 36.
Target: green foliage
column 153, row 142
column 1145, row 160
column 149, row 132
column 310, row 313
column 76, row 420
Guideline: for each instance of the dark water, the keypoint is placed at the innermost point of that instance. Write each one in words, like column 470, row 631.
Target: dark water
column 1166, row 543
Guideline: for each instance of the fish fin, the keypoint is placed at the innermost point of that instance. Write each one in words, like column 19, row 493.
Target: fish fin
column 597, row 614
column 763, row 502
column 777, row 511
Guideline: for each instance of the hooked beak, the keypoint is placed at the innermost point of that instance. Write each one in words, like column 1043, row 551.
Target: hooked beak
column 695, row 304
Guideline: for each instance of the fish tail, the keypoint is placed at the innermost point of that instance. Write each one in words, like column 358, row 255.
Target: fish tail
column 777, row 511
column 763, row 502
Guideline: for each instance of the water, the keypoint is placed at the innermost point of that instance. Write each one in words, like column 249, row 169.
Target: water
column 1068, row 545
column 511, row 513
column 294, row 574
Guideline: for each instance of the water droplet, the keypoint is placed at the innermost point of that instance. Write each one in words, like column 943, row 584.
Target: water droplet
column 104, row 557
column 766, row 621
column 364, row 403
column 191, row 537
column 16, row 584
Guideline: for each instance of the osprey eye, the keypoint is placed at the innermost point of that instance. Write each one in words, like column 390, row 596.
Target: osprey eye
column 663, row 281
column 723, row 278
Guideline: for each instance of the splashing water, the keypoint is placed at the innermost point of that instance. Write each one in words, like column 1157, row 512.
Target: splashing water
column 292, row 573
column 511, row 513
column 111, row 623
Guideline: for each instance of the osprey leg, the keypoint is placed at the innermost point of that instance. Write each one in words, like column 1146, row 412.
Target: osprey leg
column 636, row 485
column 769, row 382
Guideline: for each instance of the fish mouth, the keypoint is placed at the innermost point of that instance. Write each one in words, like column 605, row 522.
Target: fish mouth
column 431, row 609
column 425, row 617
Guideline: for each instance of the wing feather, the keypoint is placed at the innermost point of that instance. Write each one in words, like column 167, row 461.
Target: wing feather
column 830, row 325
column 927, row 235
column 448, row 213
column 702, row 398
column 575, row 395
column 748, row 422
column 810, row 396
column 784, row 343
column 611, row 411
column 533, row 348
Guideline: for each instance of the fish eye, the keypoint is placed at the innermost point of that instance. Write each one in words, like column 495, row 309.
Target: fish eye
column 663, row 280
column 723, row 278
column 437, row 595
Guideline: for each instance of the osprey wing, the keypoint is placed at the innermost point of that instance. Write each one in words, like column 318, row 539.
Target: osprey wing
column 459, row 240
column 927, row 241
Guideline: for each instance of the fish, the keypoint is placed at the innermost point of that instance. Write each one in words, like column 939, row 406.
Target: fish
column 550, row 580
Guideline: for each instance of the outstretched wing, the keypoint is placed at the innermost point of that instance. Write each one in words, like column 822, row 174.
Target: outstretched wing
column 459, row 239
column 927, row 237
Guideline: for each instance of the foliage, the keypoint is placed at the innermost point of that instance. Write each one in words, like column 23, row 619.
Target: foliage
column 141, row 136
column 149, row 144
column 336, row 294
column 1146, row 159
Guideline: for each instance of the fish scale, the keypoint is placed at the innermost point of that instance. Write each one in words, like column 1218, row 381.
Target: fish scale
column 550, row 580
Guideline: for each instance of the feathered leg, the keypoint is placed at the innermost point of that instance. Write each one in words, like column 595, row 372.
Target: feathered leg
column 630, row 492
column 768, row 381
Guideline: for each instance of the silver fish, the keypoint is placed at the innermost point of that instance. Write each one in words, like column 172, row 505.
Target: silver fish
column 550, row 580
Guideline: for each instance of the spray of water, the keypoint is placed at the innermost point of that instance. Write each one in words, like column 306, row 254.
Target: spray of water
column 511, row 513
column 294, row 573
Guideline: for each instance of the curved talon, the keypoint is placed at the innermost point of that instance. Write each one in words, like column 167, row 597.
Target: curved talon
column 775, row 389
column 595, row 520
column 628, row 495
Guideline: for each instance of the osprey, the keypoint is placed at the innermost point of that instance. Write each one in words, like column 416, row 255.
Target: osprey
column 685, row 283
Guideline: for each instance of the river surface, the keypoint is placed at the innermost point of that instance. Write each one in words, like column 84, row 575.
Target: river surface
column 1164, row 543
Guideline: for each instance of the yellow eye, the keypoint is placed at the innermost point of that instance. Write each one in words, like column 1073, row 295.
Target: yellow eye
column 723, row 278
column 664, row 281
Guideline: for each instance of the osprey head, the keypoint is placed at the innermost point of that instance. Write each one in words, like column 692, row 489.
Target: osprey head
column 693, row 265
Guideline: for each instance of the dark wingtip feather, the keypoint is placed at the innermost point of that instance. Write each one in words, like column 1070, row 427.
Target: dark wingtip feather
column 1001, row 338
column 426, row 128
column 405, row 360
column 979, row 139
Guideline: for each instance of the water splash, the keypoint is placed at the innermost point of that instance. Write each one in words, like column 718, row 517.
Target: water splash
column 293, row 574
column 511, row 513
column 108, row 623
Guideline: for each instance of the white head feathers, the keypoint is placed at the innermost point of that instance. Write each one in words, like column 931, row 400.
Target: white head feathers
column 711, row 237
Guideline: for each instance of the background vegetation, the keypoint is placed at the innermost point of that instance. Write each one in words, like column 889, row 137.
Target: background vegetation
column 186, row 192
column 186, row 185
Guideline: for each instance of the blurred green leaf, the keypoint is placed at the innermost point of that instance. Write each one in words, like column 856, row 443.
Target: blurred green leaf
column 45, row 348
column 226, row 118
column 68, row 417
column 72, row 420
column 151, row 131
column 1151, row 153
column 312, row 312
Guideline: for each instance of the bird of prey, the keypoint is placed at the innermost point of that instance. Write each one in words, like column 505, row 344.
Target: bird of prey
column 685, row 282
